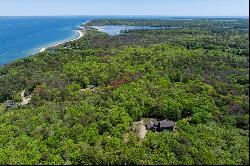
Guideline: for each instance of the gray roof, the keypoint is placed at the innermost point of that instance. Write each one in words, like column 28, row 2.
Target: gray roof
column 167, row 123
column 156, row 123
column 150, row 125
column 92, row 86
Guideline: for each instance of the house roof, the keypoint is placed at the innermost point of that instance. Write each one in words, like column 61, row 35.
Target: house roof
column 156, row 123
column 167, row 123
column 150, row 124
column 92, row 86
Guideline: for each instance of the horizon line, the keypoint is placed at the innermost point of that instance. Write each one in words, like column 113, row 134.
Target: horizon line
column 123, row 15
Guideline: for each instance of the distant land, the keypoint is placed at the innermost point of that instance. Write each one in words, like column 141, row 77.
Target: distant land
column 124, row 91
column 22, row 36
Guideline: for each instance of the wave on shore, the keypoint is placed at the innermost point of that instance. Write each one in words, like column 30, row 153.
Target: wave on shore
column 81, row 34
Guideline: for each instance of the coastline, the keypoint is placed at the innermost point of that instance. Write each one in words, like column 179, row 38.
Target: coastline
column 81, row 32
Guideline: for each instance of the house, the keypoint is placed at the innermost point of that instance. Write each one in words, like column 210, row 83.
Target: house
column 150, row 126
column 160, row 125
column 10, row 104
column 165, row 125
column 92, row 86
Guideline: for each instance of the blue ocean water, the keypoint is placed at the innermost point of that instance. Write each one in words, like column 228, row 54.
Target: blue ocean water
column 24, row 36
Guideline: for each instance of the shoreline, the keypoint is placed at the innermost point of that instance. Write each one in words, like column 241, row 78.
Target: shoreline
column 81, row 32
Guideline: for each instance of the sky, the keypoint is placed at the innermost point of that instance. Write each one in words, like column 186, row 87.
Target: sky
column 124, row 7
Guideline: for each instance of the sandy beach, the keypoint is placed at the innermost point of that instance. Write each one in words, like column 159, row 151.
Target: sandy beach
column 81, row 34
column 43, row 49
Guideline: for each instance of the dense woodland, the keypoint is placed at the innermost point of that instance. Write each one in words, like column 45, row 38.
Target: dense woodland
column 198, row 70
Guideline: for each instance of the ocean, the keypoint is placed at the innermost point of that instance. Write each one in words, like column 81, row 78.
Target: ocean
column 24, row 36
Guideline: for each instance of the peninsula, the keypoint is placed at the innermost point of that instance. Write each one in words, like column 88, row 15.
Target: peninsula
column 154, row 96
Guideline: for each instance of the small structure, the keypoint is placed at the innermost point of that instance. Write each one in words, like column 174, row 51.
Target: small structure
column 165, row 125
column 92, row 86
column 10, row 104
column 160, row 125
column 150, row 126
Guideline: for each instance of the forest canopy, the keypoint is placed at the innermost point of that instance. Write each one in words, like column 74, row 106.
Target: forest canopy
column 199, row 70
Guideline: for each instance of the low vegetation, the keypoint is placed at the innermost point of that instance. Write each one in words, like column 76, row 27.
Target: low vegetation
column 199, row 70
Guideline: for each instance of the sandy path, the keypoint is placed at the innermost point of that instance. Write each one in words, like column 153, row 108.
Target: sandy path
column 142, row 130
column 26, row 100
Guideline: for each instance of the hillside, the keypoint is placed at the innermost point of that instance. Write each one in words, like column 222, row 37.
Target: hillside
column 199, row 70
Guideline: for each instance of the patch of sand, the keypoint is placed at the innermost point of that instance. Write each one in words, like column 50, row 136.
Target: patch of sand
column 25, row 100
